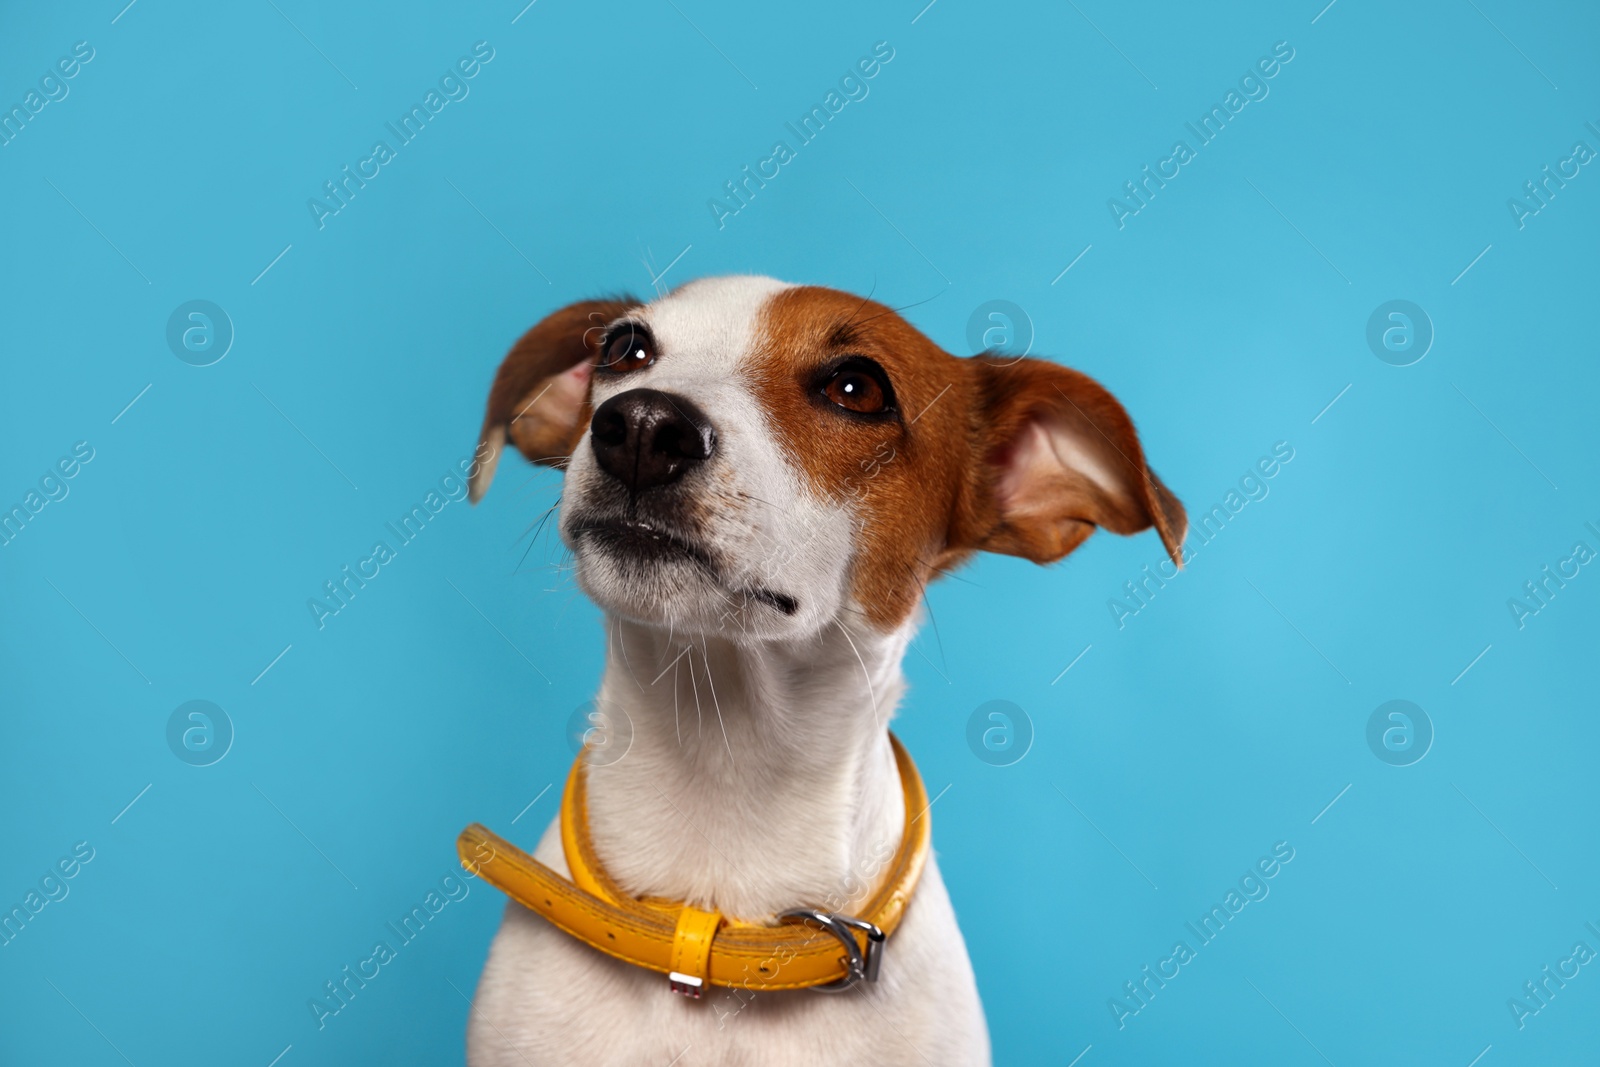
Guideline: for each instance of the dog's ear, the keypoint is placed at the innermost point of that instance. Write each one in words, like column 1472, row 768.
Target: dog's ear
column 540, row 397
column 1056, row 457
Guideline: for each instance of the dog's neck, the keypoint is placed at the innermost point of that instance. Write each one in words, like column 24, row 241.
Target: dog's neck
column 758, row 778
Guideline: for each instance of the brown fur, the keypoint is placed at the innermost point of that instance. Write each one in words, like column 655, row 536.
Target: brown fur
column 905, row 480
column 927, row 486
column 1054, row 514
column 1019, row 456
column 545, row 434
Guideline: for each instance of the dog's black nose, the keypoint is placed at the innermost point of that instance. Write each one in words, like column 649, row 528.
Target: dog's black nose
column 645, row 438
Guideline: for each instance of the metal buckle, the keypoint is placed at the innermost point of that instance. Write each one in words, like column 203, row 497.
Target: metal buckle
column 686, row 984
column 858, row 966
column 875, row 942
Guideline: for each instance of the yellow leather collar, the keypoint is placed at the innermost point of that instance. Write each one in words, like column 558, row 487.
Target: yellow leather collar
column 698, row 947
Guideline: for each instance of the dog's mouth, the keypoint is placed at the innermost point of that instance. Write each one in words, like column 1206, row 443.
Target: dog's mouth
column 645, row 542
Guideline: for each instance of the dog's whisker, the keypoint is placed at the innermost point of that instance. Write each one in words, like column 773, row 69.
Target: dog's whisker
column 768, row 503
column 537, row 526
column 622, row 643
column 935, row 624
column 671, row 665
column 698, row 717
column 677, row 727
column 533, row 480
column 706, row 655
column 864, row 673
column 523, row 559
column 535, row 538
column 861, row 306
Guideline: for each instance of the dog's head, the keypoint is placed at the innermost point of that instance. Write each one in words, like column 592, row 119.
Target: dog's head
column 755, row 459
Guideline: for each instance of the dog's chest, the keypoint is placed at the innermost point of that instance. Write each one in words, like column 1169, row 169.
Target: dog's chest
column 547, row 999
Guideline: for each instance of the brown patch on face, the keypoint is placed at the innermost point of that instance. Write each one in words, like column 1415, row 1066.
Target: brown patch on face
column 1020, row 456
column 906, row 476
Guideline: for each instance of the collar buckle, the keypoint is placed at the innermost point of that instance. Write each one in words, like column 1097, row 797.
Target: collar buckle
column 859, row 966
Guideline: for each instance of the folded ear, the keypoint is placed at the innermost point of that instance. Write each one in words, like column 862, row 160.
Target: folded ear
column 1058, row 457
column 540, row 397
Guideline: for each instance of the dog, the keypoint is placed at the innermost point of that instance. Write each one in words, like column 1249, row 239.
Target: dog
column 760, row 480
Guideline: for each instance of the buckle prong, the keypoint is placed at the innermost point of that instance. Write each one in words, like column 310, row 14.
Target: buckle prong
column 857, row 965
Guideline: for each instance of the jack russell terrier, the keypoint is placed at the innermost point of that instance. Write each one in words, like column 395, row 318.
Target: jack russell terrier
column 760, row 481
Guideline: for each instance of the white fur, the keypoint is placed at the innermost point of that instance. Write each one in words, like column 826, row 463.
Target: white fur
column 761, row 524
column 759, row 775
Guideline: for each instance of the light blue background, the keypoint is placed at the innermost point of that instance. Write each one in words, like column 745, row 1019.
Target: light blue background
column 1212, row 726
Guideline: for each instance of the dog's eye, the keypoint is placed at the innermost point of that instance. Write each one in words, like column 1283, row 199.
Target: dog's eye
column 859, row 385
column 856, row 391
column 629, row 348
